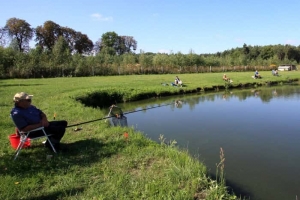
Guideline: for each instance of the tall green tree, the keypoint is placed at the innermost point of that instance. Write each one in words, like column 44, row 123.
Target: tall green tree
column 35, row 57
column 7, row 57
column 293, row 53
column 194, row 60
column 246, row 49
column 109, row 42
column 21, row 31
column 83, row 45
column 279, row 52
column 3, row 36
column 180, row 61
column 120, row 44
column 254, row 52
column 69, row 35
column 61, row 55
column 48, row 34
column 129, row 61
column 266, row 52
column 126, row 44
column 14, row 45
column 145, row 61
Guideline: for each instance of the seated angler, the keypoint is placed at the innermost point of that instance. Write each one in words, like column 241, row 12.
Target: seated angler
column 225, row 78
column 177, row 80
column 27, row 117
column 256, row 74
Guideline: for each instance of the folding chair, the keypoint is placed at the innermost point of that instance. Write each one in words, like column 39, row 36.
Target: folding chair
column 25, row 135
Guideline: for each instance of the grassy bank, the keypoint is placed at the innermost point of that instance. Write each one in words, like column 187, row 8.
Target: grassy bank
column 101, row 163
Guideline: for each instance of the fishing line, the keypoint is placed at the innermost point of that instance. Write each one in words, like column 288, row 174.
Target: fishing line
column 107, row 117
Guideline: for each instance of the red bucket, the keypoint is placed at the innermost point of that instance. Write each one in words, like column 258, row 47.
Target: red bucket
column 15, row 140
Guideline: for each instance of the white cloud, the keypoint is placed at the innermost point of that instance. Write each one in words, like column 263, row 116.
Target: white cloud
column 99, row 17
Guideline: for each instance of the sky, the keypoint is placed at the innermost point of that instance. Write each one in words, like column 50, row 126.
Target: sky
column 166, row 26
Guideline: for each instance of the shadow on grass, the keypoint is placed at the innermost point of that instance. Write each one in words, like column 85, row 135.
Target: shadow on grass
column 80, row 153
column 11, row 85
column 59, row 194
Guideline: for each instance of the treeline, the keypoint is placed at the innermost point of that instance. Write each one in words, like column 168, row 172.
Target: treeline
column 61, row 51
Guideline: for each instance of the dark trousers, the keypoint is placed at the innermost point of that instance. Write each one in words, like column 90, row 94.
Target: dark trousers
column 56, row 129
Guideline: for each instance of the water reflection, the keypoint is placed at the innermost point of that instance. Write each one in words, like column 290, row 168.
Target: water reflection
column 265, row 95
column 257, row 128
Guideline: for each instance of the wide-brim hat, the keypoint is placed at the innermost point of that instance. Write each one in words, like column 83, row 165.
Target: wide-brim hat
column 21, row 96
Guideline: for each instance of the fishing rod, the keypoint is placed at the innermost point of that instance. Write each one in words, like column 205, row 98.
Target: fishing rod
column 107, row 117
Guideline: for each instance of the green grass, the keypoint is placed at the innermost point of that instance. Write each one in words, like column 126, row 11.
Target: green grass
column 101, row 163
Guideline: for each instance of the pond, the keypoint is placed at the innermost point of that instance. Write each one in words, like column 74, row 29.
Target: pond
column 257, row 128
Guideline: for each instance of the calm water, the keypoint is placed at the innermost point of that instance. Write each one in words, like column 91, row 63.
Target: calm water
column 257, row 129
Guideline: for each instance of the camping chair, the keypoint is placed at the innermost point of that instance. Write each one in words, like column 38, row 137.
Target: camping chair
column 25, row 135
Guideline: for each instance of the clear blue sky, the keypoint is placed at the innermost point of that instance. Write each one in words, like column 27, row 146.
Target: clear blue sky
column 204, row 26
